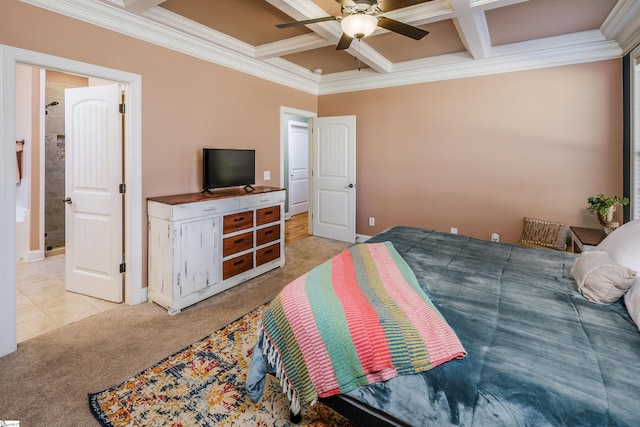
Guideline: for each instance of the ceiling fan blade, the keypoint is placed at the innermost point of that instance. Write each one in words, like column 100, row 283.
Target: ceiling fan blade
column 307, row 21
column 389, row 5
column 345, row 42
column 402, row 28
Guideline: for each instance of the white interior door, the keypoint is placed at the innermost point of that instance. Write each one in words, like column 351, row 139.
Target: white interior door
column 334, row 177
column 93, row 217
column 298, row 167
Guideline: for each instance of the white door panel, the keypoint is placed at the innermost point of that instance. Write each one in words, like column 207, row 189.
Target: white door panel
column 300, row 174
column 334, row 177
column 298, row 192
column 93, row 218
column 298, row 168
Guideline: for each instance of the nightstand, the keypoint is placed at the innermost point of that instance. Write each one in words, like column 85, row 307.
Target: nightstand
column 585, row 239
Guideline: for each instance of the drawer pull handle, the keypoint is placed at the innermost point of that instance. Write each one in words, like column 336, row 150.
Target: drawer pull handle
column 268, row 232
column 239, row 219
column 268, row 252
column 238, row 262
column 238, row 240
column 268, row 213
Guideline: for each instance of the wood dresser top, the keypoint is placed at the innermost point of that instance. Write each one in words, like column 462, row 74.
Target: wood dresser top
column 221, row 193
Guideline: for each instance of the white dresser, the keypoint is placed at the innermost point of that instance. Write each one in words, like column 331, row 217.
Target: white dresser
column 202, row 244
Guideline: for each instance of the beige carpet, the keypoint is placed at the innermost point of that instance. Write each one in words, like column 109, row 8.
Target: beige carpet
column 46, row 382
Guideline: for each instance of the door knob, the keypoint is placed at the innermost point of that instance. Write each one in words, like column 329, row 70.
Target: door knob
column 349, row 186
column 67, row 200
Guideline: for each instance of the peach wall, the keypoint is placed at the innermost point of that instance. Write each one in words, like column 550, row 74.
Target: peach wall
column 187, row 103
column 481, row 153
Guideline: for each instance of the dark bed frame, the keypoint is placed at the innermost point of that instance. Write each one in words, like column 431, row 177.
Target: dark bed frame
column 361, row 414
column 358, row 413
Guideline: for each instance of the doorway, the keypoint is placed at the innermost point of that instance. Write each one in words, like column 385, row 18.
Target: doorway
column 332, row 191
column 297, row 168
column 43, row 303
column 288, row 116
column 10, row 57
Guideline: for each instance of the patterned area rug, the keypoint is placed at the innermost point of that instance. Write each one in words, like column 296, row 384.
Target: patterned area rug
column 203, row 385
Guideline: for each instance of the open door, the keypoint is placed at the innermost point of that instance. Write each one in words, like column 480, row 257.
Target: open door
column 334, row 177
column 93, row 217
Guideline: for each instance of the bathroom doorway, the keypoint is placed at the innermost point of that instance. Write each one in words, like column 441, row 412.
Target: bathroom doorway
column 10, row 59
column 43, row 303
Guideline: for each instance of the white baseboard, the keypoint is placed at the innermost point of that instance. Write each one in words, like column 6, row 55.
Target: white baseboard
column 361, row 238
column 33, row 256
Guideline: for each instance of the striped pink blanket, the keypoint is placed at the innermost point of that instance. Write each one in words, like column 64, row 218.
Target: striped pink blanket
column 359, row 318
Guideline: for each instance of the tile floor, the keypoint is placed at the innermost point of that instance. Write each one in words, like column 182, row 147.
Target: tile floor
column 42, row 302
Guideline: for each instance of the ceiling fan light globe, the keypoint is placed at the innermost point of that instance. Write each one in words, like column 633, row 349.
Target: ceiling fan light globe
column 359, row 25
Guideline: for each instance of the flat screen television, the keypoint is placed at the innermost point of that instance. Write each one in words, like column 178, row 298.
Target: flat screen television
column 225, row 167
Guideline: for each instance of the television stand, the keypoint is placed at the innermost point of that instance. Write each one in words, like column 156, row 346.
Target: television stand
column 203, row 244
column 249, row 186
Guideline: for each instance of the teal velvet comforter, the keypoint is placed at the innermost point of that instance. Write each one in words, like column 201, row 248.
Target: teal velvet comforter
column 539, row 354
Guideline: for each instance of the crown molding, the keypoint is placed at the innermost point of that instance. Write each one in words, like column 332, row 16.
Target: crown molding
column 163, row 28
column 623, row 24
column 142, row 28
column 589, row 46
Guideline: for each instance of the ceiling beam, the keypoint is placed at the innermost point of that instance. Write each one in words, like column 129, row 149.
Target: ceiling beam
column 291, row 45
column 134, row 6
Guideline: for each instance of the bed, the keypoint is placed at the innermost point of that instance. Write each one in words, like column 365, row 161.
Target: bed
column 537, row 351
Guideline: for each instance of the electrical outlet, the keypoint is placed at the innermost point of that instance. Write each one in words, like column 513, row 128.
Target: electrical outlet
column 267, row 175
column 495, row 237
column 372, row 221
column 454, row 230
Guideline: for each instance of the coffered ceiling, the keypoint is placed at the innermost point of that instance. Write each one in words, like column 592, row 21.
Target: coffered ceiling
column 466, row 37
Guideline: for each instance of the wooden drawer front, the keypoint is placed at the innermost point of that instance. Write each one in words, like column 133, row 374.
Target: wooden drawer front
column 267, row 254
column 237, row 265
column 267, row 234
column 235, row 244
column 267, row 215
column 237, row 222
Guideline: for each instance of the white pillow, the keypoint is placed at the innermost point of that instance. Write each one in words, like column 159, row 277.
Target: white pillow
column 632, row 301
column 623, row 245
column 600, row 279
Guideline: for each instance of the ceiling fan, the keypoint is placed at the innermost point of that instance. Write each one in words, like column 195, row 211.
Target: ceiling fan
column 361, row 17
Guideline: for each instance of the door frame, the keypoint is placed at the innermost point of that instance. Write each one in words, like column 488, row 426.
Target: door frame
column 284, row 140
column 9, row 58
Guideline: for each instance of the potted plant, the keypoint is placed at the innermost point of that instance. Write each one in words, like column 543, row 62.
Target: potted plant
column 605, row 206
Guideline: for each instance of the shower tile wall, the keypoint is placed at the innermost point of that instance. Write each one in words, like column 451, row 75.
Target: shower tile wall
column 54, row 167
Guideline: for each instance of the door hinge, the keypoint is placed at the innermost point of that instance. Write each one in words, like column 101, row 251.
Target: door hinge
column 122, row 188
column 121, row 108
column 123, row 268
